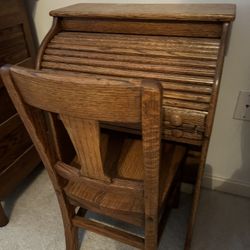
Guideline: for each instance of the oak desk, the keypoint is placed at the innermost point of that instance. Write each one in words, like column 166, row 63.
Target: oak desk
column 181, row 45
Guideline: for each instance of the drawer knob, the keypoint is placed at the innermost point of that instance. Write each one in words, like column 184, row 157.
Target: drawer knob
column 176, row 120
column 177, row 133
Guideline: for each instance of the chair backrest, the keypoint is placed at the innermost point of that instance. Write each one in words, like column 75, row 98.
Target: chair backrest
column 81, row 102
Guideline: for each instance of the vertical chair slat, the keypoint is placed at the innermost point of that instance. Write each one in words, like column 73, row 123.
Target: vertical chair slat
column 85, row 135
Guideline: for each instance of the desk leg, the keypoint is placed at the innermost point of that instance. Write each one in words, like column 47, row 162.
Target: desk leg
column 196, row 196
column 3, row 218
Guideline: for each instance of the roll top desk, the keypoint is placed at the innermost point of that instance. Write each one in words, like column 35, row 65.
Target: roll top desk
column 181, row 45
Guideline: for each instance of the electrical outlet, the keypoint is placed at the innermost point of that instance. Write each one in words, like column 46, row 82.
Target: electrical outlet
column 242, row 110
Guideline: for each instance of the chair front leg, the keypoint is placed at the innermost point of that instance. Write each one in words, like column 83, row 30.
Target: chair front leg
column 70, row 231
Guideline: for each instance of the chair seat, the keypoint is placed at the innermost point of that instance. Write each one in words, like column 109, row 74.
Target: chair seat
column 121, row 175
column 127, row 203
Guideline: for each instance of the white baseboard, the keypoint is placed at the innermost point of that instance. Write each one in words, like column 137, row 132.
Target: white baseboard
column 226, row 185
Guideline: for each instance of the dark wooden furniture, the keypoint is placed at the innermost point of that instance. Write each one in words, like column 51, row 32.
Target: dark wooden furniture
column 123, row 176
column 181, row 45
column 17, row 154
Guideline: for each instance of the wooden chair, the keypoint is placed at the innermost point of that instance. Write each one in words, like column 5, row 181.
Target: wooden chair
column 126, row 177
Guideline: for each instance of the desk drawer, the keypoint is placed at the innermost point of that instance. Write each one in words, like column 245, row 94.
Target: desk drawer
column 184, row 123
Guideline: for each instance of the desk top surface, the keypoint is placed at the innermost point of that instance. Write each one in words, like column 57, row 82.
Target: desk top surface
column 185, row 12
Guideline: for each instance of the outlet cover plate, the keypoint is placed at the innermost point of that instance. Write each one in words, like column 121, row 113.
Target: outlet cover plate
column 242, row 110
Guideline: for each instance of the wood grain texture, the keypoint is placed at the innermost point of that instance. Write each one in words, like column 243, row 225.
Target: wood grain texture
column 169, row 133
column 60, row 139
column 186, row 29
column 16, row 46
column 85, row 136
column 125, row 56
column 48, row 84
column 180, row 45
column 34, row 122
column 72, row 173
column 12, row 45
column 14, row 140
column 26, row 162
column 127, row 205
column 131, row 155
column 194, row 12
column 196, row 65
column 16, row 37
column 172, row 156
column 118, row 193
column 55, row 28
column 151, row 131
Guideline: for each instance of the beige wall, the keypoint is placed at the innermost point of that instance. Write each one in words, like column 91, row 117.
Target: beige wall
column 228, row 162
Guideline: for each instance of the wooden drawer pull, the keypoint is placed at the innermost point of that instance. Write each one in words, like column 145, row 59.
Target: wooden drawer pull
column 176, row 120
